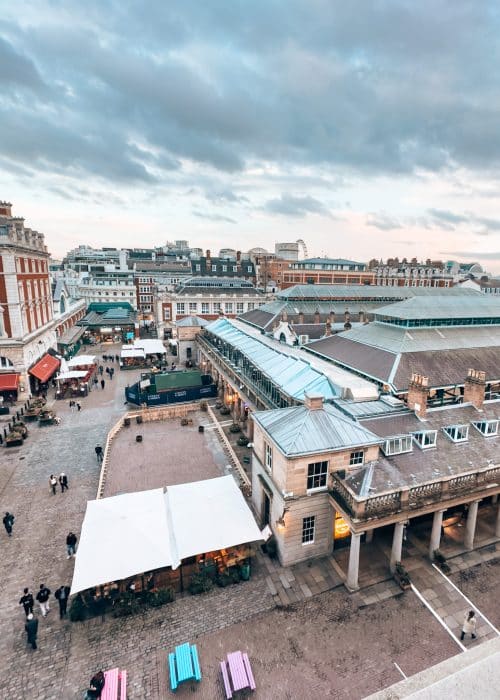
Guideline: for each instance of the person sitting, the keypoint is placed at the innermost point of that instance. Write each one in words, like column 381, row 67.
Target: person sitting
column 96, row 685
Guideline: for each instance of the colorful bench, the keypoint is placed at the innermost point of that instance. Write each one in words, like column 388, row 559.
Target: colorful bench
column 240, row 674
column 184, row 665
column 115, row 686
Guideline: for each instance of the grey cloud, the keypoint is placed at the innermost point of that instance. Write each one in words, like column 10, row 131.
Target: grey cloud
column 290, row 205
column 472, row 255
column 448, row 217
column 383, row 222
column 17, row 70
column 214, row 217
column 225, row 197
column 450, row 220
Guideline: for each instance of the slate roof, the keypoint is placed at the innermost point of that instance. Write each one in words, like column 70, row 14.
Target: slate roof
column 192, row 321
column 443, row 307
column 372, row 292
column 299, row 430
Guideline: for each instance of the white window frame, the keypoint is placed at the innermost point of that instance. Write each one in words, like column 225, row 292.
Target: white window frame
column 268, row 456
column 456, row 432
column 205, row 307
column 422, row 438
column 228, row 307
column 397, row 445
column 308, row 529
column 193, row 306
column 490, row 428
column 319, row 472
column 357, row 458
column 180, row 307
column 240, row 307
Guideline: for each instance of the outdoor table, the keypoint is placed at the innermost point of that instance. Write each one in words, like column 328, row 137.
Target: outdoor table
column 184, row 665
column 239, row 668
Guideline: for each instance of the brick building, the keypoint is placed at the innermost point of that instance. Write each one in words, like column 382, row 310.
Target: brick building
column 26, row 313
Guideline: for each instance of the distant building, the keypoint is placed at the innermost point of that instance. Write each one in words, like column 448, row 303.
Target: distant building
column 237, row 266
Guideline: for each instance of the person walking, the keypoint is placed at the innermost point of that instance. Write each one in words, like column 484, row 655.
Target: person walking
column 78, row 407
column 97, row 683
column 43, row 599
column 31, row 628
column 98, row 453
column 27, row 602
column 8, row 522
column 469, row 626
column 62, row 595
column 63, row 482
column 71, row 544
column 53, row 483
column 103, row 384
column 111, row 372
column 101, row 370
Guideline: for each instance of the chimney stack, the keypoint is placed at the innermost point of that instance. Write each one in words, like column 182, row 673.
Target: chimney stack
column 314, row 402
column 474, row 388
column 347, row 320
column 418, row 390
column 316, row 316
column 284, row 316
column 301, row 317
column 331, row 317
column 208, row 258
column 361, row 316
column 328, row 329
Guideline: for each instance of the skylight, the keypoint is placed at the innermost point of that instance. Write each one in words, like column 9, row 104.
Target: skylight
column 457, row 433
column 488, row 428
column 397, row 445
column 425, row 438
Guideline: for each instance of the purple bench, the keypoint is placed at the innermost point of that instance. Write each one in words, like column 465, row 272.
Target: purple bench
column 240, row 674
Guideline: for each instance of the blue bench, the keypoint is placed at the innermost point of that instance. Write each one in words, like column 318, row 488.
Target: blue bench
column 184, row 665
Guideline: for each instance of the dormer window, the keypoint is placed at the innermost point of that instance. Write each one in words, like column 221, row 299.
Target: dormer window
column 398, row 445
column 457, row 433
column 425, row 438
column 488, row 428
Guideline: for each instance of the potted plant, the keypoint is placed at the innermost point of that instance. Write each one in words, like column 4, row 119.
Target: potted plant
column 401, row 576
column 234, row 428
column 440, row 559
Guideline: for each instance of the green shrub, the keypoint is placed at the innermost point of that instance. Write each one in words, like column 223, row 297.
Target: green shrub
column 242, row 441
column 223, row 579
column 126, row 605
column 234, row 428
column 77, row 609
column 200, row 583
column 158, row 598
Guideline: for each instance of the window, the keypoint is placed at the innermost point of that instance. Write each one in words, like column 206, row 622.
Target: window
column 486, row 427
column 205, row 307
column 308, row 529
column 268, row 456
column 425, row 438
column 250, row 306
column 166, row 313
column 217, row 307
column 457, row 433
column 316, row 475
column 228, row 307
column 357, row 457
column 224, row 268
column 249, row 268
column 235, row 269
column 198, row 268
column 214, row 268
column 239, row 307
column 180, row 308
column 193, row 306
column 398, row 445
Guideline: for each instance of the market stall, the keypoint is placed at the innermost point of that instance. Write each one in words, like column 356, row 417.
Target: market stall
column 132, row 357
column 72, row 384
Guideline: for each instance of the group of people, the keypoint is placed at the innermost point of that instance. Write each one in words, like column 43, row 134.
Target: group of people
column 75, row 406
column 62, row 480
column 43, row 599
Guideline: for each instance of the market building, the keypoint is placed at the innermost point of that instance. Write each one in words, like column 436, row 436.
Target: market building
column 27, row 329
column 110, row 323
column 67, row 312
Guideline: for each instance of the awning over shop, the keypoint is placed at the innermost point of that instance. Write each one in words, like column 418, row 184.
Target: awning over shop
column 75, row 374
column 132, row 352
column 133, row 533
column 151, row 346
column 81, row 361
column 45, row 368
column 71, row 336
column 9, row 382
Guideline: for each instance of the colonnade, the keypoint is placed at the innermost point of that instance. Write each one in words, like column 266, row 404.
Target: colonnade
column 352, row 581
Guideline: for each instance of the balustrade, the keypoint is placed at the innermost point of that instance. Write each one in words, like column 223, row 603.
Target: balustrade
column 419, row 495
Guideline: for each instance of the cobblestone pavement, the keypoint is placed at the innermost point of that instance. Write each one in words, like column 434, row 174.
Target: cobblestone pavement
column 330, row 645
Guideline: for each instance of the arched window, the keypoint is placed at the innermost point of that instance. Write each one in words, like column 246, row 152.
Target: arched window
column 5, row 362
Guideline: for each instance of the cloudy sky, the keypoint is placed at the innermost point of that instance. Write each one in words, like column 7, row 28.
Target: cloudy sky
column 368, row 129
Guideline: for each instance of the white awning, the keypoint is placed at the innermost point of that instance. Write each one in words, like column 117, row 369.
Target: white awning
column 151, row 346
column 121, row 536
column 81, row 361
column 138, row 532
column 132, row 352
column 73, row 374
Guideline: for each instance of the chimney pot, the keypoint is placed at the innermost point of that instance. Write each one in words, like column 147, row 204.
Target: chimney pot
column 314, row 402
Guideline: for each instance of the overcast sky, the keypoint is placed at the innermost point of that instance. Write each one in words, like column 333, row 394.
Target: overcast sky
column 369, row 129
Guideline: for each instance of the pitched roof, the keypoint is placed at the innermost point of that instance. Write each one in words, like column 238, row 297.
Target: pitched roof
column 300, row 430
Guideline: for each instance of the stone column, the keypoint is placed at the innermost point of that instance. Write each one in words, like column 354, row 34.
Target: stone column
column 497, row 526
column 437, row 524
column 470, row 525
column 397, row 545
column 494, row 499
column 353, row 570
column 334, row 515
column 369, row 536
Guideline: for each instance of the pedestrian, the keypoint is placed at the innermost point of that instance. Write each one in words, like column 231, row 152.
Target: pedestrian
column 101, row 369
column 27, row 602
column 111, row 372
column 469, row 626
column 103, row 384
column 117, row 358
column 53, row 483
column 62, row 595
column 95, row 381
column 8, row 522
column 43, row 599
column 97, row 683
column 71, row 544
column 31, row 628
column 78, row 406
column 72, row 406
column 107, row 371
column 63, row 482
column 98, row 453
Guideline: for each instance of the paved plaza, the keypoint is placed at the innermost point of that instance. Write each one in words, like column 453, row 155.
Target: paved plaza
column 306, row 636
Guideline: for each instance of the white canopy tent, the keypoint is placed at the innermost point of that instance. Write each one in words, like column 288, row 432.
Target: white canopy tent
column 151, row 346
column 71, row 374
column 131, row 351
column 137, row 532
column 81, row 361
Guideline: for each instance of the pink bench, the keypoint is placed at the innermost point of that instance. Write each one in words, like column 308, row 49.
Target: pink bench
column 115, row 686
column 240, row 674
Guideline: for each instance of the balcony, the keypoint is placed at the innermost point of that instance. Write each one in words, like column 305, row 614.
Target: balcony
column 421, row 497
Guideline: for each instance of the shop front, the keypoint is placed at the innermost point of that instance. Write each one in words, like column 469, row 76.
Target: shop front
column 42, row 372
column 9, row 387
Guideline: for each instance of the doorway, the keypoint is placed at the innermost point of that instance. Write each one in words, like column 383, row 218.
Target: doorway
column 266, row 509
